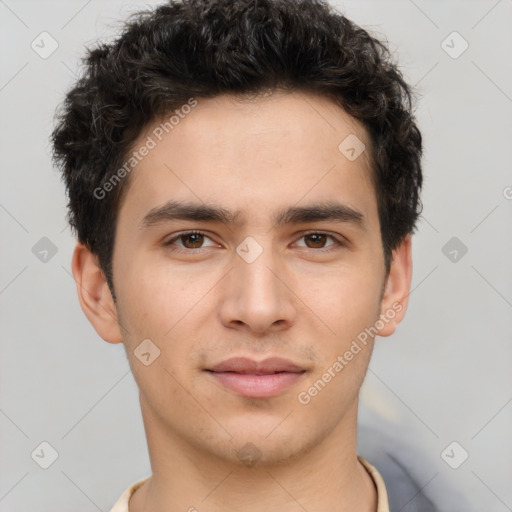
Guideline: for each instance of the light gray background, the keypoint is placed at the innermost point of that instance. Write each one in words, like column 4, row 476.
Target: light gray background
column 444, row 376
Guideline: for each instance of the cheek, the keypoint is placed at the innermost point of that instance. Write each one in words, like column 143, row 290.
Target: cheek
column 155, row 298
column 346, row 300
column 349, row 309
column 155, row 307
column 172, row 308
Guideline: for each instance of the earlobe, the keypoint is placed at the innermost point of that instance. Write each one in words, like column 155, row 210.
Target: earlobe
column 396, row 295
column 94, row 294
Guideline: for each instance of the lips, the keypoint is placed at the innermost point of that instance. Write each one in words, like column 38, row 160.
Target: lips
column 256, row 379
column 244, row 365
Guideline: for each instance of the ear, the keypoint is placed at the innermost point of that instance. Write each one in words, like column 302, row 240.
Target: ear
column 396, row 293
column 94, row 294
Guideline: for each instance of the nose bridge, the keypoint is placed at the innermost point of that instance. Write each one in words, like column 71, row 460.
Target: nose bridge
column 255, row 268
column 255, row 295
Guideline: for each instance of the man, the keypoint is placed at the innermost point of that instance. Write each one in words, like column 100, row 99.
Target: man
column 243, row 179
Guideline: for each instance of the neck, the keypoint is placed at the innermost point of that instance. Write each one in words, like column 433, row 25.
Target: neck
column 327, row 476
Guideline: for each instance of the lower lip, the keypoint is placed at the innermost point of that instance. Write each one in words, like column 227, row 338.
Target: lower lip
column 257, row 386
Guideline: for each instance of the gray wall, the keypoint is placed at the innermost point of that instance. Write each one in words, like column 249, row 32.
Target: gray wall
column 445, row 375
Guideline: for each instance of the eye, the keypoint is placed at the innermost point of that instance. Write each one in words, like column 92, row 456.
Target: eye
column 190, row 240
column 195, row 240
column 318, row 240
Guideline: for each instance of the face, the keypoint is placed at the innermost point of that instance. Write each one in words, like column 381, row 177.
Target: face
column 248, row 251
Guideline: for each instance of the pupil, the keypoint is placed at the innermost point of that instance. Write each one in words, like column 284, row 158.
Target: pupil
column 195, row 240
column 318, row 240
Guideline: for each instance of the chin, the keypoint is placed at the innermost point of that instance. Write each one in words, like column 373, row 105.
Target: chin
column 252, row 447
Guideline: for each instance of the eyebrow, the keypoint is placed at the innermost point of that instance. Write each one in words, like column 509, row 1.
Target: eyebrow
column 324, row 211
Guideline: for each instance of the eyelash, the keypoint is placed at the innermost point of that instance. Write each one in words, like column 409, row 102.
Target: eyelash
column 337, row 242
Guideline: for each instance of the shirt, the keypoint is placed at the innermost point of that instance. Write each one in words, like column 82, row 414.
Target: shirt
column 382, row 495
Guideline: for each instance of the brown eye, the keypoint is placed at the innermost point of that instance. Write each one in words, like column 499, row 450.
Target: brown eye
column 316, row 240
column 189, row 241
column 192, row 240
column 322, row 242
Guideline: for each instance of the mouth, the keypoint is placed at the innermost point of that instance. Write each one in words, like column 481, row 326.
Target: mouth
column 254, row 379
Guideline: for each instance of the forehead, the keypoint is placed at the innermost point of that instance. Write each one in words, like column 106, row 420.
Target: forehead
column 253, row 156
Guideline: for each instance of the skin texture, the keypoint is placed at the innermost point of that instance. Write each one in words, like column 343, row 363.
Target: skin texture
column 202, row 306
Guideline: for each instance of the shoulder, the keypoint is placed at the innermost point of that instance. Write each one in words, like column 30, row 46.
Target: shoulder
column 121, row 504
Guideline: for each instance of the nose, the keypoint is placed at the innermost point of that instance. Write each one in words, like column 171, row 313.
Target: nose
column 256, row 296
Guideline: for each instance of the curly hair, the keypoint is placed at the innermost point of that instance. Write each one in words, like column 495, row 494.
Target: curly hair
column 204, row 48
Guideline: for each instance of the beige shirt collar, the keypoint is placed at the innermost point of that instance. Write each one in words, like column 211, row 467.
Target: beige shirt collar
column 382, row 495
